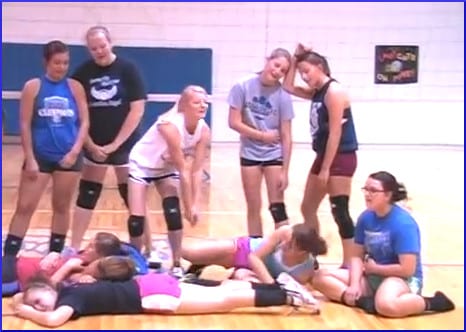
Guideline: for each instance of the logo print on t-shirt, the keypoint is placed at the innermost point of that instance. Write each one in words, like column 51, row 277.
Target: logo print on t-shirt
column 256, row 112
column 314, row 117
column 378, row 245
column 103, row 91
column 56, row 108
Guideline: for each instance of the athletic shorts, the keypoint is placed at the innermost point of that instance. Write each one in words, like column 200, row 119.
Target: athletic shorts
column 344, row 164
column 414, row 284
column 249, row 162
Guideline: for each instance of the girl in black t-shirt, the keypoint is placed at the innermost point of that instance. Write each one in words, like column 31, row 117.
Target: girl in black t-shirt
column 154, row 293
column 116, row 98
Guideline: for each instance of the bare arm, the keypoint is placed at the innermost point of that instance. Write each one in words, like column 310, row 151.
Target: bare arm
column 285, row 136
column 200, row 155
column 405, row 269
column 335, row 101
column 356, row 267
column 54, row 318
column 26, row 105
column 256, row 259
column 80, row 97
column 70, row 266
column 172, row 137
column 236, row 123
column 291, row 88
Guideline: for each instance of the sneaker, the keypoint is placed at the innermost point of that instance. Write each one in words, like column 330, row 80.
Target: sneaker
column 299, row 303
column 153, row 260
column 290, row 284
column 177, row 272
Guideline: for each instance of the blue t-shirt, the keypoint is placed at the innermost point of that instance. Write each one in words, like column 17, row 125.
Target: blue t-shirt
column 263, row 108
column 55, row 122
column 387, row 237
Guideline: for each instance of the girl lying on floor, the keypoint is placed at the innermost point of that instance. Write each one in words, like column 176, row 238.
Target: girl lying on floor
column 47, row 304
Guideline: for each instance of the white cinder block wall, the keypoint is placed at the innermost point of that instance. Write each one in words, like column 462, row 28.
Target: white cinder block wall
column 241, row 35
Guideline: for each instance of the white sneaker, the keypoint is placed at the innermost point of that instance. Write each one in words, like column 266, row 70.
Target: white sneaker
column 177, row 272
column 290, row 284
column 153, row 260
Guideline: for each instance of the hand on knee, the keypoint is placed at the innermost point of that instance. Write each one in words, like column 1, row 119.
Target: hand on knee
column 341, row 215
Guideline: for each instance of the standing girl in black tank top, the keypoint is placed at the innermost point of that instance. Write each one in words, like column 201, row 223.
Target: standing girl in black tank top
column 333, row 140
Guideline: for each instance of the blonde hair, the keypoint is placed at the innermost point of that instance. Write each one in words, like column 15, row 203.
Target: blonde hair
column 183, row 98
column 96, row 29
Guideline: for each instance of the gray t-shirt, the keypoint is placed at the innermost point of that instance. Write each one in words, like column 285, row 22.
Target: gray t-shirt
column 264, row 108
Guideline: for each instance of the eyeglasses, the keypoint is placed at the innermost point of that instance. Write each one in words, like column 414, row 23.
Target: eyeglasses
column 371, row 191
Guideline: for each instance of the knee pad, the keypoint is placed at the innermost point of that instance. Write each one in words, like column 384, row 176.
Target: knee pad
column 342, row 217
column 89, row 193
column 136, row 225
column 278, row 211
column 172, row 213
column 123, row 190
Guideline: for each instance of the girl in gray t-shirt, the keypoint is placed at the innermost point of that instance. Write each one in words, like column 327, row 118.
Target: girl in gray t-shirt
column 261, row 111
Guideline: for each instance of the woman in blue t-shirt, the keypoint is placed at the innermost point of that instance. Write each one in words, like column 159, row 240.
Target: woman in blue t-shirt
column 385, row 274
column 54, row 122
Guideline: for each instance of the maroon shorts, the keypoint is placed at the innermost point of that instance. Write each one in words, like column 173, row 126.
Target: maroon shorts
column 344, row 164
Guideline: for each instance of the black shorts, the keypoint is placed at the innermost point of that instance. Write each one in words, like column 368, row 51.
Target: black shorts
column 153, row 179
column 119, row 157
column 46, row 166
column 264, row 163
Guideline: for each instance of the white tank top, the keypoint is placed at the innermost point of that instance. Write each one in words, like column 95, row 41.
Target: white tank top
column 151, row 151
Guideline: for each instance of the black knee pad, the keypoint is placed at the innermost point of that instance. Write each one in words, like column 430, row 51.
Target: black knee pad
column 172, row 213
column 136, row 225
column 341, row 216
column 123, row 190
column 278, row 211
column 89, row 193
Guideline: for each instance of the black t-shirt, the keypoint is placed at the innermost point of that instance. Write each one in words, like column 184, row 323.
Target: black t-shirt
column 101, row 298
column 109, row 91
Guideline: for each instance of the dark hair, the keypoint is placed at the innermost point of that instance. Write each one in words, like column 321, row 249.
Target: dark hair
column 308, row 239
column 391, row 185
column 107, row 244
column 96, row 29
column 54, row 47
column 116, row 268
column 316, row 59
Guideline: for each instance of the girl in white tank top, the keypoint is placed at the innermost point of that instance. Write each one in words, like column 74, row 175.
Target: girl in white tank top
column 159, row 157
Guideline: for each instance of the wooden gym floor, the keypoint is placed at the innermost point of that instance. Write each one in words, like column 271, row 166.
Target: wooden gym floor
column 434, row 177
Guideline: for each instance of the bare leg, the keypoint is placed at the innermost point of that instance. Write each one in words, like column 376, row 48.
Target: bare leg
column 64, row 187
column 169, row 188
column 137, row 198
column 82, row 217
column 210, row 252
column 333, row 283
column 29, row 195
column 313, row 196
column 272, row 179
column 251, row 177
column 341, row 186
column 394, row 299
